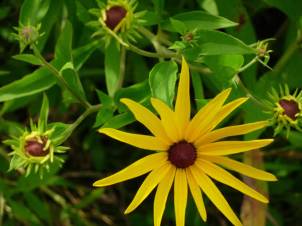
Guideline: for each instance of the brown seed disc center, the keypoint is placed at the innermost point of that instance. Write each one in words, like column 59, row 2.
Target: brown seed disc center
column 182, row 154
column 35, row 148
column 291, row 108
column 114, row 15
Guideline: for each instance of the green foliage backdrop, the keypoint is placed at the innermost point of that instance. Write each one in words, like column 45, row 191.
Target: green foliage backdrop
column 67, row 52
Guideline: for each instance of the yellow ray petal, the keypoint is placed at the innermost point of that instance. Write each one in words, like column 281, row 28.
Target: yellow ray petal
column 136, row 169
column 167, row 119
column 147, row 118
column 204, row 117
column 148, row 185
column 197, row 196
column 230, row 131
column 180, row 196
column 225, row 177
column 226, row 110
column 232, row 147
column 210, row 189
column 137, row 140
column 241, row 168
column 161, row 196
column 182, row 105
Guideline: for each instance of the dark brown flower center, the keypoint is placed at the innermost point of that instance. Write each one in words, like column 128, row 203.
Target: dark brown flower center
column 182, row 154
column 35, row 148
column 291, row 108
column 114, row 15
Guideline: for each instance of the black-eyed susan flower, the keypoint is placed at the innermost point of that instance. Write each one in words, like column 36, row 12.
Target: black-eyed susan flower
column 34, row 149
column 188, row 153
column 286, row 110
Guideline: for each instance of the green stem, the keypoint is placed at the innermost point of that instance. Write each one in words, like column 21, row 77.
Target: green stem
column 288, row 54
column 249, row 64
column 150, row 54
column 66, row 134
column 57, row 198
column 122, row 67
column 60, row 78
column 249, row 94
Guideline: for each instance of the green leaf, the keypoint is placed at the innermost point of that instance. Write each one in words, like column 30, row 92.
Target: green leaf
column 43, row 117
column 38, row 81
column 119, row 121
column 28, row 58
column 199, row 20
column 64, row 45
column 105, row 100
column 28, row 12
column 37, row 206
column 103, row 115
column 137, row 92
column 178, row 26
column 91, row 197
column 22, row 213
column 48, row 21
column 162, row 80
column 295, row 138
column 82, row 54
column 112, row 67
column 220, row 43
column 59, row 135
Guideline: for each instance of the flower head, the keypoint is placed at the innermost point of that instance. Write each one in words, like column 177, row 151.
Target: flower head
column 27, row 35
column 118, row 19
column 286, row 109
column 34, row 149
column 188, row 153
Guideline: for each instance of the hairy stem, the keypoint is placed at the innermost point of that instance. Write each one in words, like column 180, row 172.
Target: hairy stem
column 60, row 78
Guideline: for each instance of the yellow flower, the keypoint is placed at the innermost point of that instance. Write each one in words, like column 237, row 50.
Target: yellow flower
column 188, row 153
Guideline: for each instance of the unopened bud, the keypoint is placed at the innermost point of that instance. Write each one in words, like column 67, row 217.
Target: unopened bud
column 290, row 107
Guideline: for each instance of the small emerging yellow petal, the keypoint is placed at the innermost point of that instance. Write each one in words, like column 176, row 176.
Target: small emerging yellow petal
column 197, row 196
column 241, row 168
column 210, row 189
column 225, row 177
column 147, row 118
column 161, row 196
column 137, row 140
column 136, row 169
column 180, row 196
column 182, row 105
column 167, row 119
column 232, row 147
column 230, row 131
column 148, row 185
column 204, row 117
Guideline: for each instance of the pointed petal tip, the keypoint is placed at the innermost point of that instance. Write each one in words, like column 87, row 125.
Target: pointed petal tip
column 125, row 100
column 97, row 183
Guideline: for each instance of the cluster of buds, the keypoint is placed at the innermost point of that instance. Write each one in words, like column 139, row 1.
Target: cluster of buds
column 118, row 19
column 34, row 149
column 27, row 35
column 286, row 109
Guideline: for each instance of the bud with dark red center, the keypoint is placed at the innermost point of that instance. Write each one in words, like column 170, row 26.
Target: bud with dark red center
column 182, row 154
column 35, row 148
column 290, row 107
column 114, row 16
